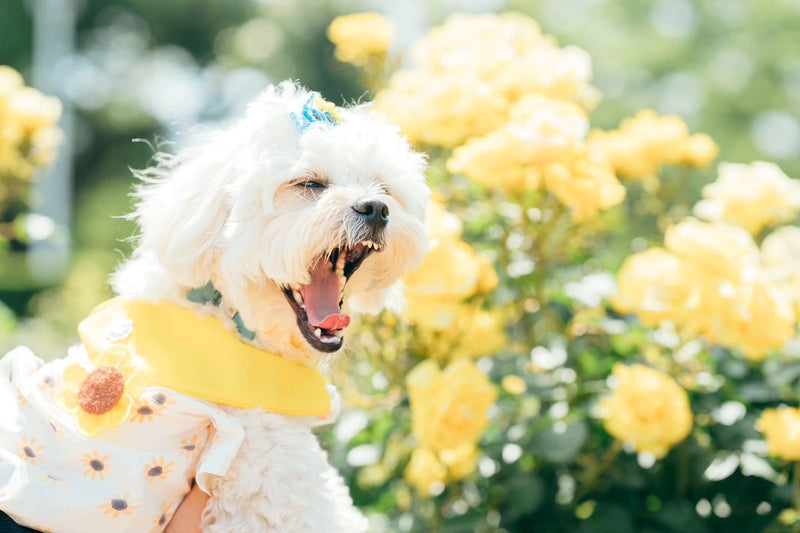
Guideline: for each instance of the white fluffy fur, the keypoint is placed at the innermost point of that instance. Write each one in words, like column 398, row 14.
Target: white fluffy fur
column 225, row 210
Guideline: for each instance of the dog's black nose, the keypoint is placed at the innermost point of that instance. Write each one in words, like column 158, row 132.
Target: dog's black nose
column 375, row 213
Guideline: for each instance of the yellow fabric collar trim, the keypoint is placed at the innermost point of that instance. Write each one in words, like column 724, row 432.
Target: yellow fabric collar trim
column 197, row 356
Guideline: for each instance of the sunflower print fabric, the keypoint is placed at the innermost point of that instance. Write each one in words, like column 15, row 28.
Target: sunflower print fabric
column 126, row 472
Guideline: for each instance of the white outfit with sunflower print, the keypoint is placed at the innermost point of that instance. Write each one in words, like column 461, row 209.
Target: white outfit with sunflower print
column 131, row 480
column 126, row 468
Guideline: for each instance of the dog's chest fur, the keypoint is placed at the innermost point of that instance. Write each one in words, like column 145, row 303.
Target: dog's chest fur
column 280, row 481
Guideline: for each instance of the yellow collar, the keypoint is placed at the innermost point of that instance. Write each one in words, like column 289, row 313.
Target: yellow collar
column 197, row 356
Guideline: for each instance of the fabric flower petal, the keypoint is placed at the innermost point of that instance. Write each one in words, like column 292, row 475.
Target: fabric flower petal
column 119, row 413
column 92, row 425
column 74, row 375
column 135, row 383
column 68, row 401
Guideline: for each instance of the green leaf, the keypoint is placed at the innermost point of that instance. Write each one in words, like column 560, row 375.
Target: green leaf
column 680, row 517
column 759, row 392
column 526, row 493
column 561, row 446
column 608, row 518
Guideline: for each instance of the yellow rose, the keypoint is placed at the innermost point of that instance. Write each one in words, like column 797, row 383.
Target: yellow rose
column 646, row 409
column 656, row 286
column 750, row 196
column 514, row 384
column 528, row 62
column 462, row 87
column 780, row 256
column 449, row 407
column 541, row 130
column 722, row 251
column 425, row 471
column 10, row 80
column 499, row 160
column 452, row 270
column 760, row 318
column 585, row 186
column 461, row 461
column 28, row 135
column 479, row 333
column 699, row 151
column 44, row 145
column 443, row 226
column 32, row 110
column 712, row 284
column 457, row 44
column 646, row 142
column 441, row 110
column 719, row 259
column 449, row 274
column 460, row 330
column 12, row 162
column 780, row 253
column 360, row 37
column 781, row 429
column 433, row 314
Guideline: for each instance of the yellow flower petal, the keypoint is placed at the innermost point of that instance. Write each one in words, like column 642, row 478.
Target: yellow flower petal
column 135, row 384
column 119, row 413
column 513, row 384
column 68, row 400
column 74, row 375
column 92, row 425
column 115, row 355
column 423, row 374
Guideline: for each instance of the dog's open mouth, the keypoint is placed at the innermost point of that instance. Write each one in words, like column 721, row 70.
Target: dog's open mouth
column 318, row 305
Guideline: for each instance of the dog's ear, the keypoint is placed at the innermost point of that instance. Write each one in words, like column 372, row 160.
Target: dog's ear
column 183, row 207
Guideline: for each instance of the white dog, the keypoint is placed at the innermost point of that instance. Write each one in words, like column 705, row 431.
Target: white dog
column 269, row 227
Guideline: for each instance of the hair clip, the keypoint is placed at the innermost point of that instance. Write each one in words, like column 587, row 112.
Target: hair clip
column 316, row 109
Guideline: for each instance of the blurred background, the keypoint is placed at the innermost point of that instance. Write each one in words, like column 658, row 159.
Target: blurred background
column 134, row 75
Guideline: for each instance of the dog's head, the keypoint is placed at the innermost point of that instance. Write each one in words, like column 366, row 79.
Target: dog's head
column 293, row 213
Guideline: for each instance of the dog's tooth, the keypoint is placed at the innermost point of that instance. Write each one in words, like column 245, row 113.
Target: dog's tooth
column 318, row 333
column 338, row 332
column 297, row 297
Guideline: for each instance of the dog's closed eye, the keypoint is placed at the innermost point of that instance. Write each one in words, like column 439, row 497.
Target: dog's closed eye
column 312, row 184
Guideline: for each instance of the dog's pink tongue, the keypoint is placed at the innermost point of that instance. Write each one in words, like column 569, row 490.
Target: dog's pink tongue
column 321, row 297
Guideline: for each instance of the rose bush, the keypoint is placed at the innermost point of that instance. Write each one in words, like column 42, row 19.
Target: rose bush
column 577, row 352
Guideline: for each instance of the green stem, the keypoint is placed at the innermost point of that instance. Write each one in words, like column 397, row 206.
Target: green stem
column 796, row 486
column 593, row 474
column 683, row 471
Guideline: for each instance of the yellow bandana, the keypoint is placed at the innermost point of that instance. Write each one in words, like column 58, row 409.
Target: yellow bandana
column 197, row 356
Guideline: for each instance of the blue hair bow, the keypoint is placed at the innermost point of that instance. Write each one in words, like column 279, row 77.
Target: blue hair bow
column 316, row 110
